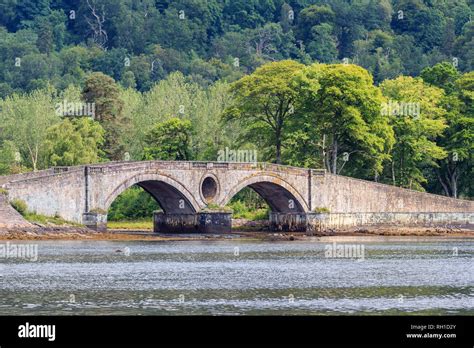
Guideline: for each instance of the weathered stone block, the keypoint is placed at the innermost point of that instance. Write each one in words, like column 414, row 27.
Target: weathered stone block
column 204, row 222
column 288, row 222
column 95, row 221
column 215, row 222
column 175, row 223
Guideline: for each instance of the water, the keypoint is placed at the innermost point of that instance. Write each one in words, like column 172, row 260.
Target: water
column 396, row 276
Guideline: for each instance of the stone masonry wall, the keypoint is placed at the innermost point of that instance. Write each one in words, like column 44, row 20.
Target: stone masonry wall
column 342, row 194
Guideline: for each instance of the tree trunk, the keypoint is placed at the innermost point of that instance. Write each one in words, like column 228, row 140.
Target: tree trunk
column 445, row 187
column 278, row 146
column 454, row 182
column 334, row 155
column 393, row 173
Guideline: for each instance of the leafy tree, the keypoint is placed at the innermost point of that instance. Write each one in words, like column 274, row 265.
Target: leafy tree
column 418, row 118
column 102, row 91
column 345, row 113
column 74, row 142
column 442, row 75
column 25, row 119
column 464, row 47
column 264, row 101
column 134, row 203
column 458, row 139
column 424, row 23
column 128, row 80
column 7, row 157
column 323, row 46
column 169, row 140
column 312, row 16
column 45, row 36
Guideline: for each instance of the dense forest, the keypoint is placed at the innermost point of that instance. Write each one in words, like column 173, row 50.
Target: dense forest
column 140, row 42
column 376, row 89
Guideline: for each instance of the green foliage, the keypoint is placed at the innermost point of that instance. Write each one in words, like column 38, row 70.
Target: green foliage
column 133, row 204
column 25, row 120
column 102, row 91
column 183, row 55
column 343, row 115
column 202, row 39
column 247, row 204
column 136, row 225
column 7, row 157
column 74, row 142
column 442, row 75
column 213, row 207
column 48, row 220
column 240, row 210
column 169, row 140
column 415, row 132
column 321, row 210
column 264, row 102
column 19, row 205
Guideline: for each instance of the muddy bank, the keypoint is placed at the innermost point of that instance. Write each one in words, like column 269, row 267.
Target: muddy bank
column 255, row 231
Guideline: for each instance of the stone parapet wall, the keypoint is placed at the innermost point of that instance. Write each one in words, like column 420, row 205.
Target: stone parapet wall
column 342, row 194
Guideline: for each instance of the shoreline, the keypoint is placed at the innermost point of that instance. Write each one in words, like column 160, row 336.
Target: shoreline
column 238, row 233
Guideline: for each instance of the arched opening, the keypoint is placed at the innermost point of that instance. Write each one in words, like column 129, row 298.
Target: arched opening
column 277, row 197
column 253, row 203
column 209, row 189
column 132, row 207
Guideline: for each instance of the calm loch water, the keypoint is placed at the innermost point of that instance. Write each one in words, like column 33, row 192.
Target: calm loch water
column 394, row 276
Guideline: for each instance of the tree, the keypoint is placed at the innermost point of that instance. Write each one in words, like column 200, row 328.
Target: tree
column 426, row 24
column 464, row 47
column 323, row 46
column 458, row 138
column 25, row 119
column 102, row 91
column 169, row 141
column 265, row 100
column 74, row 142
column 442, row 75
column 418, row 118
column 7, row 157
column 128, row 80
column 344, row 115
column 312, row 16
column 45, row 36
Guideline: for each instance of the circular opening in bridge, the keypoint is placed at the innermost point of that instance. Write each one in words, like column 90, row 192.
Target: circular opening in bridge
column 209, row 188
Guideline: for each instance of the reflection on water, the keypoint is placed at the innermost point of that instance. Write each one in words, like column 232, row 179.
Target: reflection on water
column 396, row 276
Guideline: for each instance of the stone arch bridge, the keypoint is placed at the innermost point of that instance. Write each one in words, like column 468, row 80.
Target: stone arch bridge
column 193, row 194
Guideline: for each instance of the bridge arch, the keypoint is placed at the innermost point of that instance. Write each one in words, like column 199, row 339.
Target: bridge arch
column 171, row 195
column 281, row 196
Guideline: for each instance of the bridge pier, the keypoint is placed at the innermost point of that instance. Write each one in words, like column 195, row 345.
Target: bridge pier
column 288, row 222
column 95, row 221
column 202, row 222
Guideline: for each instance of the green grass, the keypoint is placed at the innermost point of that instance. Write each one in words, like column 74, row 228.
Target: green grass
column 44, row 220
column 254, row 215
column 131, row 225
